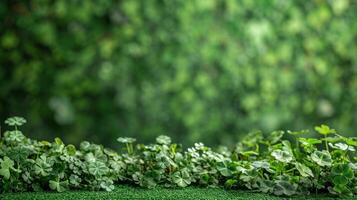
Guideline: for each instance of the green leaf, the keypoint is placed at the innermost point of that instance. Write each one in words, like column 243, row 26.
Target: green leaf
column 351, row 142
column 230, row 183
column 126, row 140
column 304, row 170
column 322, row 158
column 107, row 185
column 75, row 180
column 15, row 121
column 339, row 180
column 222, row 167
column 282, row 156
column 324, row 129
column 181, row 182
column 275, row 136
column 163, row 139
column 14, row 136
column 97, row 168
column 5, row 173
column 43, row 166
column 342, row 146
column 342, row 170
column 59, row 186
column 6, row 165
column 285, row 188
column 332, row 139
column 309, row 141
column 261, row 164
column 181, row 178
column 84, row 146
column 71, row 150
column 298, row 132
column 252, row 138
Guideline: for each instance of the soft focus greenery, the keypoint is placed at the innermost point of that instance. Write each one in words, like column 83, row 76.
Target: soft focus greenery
column 198, row 70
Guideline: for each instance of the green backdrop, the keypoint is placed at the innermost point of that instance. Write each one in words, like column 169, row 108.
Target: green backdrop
column 208, row 70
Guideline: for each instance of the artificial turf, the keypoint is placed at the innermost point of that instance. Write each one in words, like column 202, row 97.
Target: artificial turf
column 129, row 192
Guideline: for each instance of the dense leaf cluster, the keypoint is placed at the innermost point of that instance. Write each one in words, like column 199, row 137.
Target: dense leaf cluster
column 269, row 164
column 188, row 68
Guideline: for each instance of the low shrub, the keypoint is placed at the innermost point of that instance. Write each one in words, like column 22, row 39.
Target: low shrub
column 265, row 163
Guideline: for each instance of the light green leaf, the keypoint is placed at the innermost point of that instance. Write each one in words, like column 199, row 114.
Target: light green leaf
column 322, row 158
column 97, row 168
column 324, row 130
column 59, row 186
column 275, row 136
column 282, row 156
column 15, row 121
column 6, row 165
column 163, row 139
column 126, row 140
column 304, row 170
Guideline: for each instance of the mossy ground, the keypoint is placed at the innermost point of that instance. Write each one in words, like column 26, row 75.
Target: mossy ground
column 129, row 192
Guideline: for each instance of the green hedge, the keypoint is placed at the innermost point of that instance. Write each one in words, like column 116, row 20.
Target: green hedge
column 199, row 70
column 265, row 163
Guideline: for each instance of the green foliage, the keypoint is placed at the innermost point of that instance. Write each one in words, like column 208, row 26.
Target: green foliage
column 201, row 70
column 322, row 158
column 15, row 121
column 268, row 164
column 6, row 165
column 324, row 130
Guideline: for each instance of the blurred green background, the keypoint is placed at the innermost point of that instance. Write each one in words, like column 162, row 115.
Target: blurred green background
column 197, row 70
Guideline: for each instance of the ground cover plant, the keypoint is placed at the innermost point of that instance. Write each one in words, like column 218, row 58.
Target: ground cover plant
column 261, row 163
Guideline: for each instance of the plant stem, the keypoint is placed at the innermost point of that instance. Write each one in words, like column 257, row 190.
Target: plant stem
column 127, row 148
column 131, row 148
column 326, row 144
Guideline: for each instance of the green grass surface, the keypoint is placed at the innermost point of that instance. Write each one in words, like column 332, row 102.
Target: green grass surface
column 128, row 192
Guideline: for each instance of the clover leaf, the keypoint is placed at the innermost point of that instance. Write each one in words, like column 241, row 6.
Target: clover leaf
column 322, row 158
column 275, row 136
column 223, row 168
column 59, row 186
column 14, row 136
column 15, row 121
column 261, row 164
column 75, row 180
column 285, row 188
column 126, row 140
column 163, row 139
column 107, row 185
column 341, row 174
column 97, row 168
column 84, row 146
column 282, row 156
column 309, row 141
column 351, row 141
column 252, row 138
column 71, row 150
column 43, row 166
column 230, row 183
column 342, row 146
column 6, row 165
column 304, row 170
column 324, row 130
column 181, row 178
